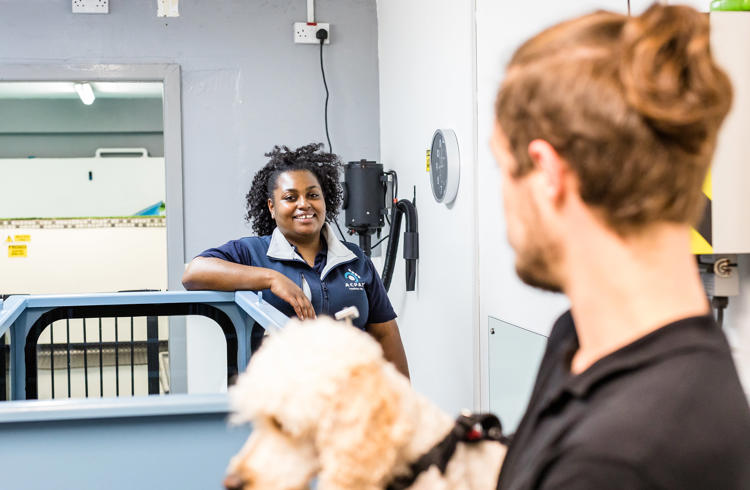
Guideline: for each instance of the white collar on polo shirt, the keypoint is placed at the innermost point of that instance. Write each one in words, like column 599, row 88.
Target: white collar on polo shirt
column 338, row 253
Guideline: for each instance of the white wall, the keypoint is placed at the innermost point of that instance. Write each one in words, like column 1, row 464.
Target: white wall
column 206, row 356
column 426, row 59
column 61, row 188
column 84, row 260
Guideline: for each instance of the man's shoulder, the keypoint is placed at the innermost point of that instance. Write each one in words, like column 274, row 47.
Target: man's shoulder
column 562, row 338
column 563, row 330
column 678, row 415
column 672, row 396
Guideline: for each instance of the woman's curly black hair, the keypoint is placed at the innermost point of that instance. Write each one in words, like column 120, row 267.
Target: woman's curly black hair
column 325, row 166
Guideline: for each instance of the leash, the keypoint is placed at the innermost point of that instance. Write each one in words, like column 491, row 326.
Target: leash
column 469, row 428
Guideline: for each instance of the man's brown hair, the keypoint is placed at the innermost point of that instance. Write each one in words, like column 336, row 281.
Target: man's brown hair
column 633, row 104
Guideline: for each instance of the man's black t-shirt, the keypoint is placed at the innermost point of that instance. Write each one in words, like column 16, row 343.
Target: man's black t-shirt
column 665, row 412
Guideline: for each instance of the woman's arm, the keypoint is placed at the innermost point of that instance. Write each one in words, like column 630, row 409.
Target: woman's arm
column 221, row 275
column 389, row 338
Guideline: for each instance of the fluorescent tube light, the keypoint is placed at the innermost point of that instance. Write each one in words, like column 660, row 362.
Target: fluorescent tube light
column 85, row 92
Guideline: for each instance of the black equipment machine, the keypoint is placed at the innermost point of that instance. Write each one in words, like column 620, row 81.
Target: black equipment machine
column 365, row 188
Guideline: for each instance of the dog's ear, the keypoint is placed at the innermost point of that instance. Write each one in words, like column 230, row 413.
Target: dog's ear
column 359, row 437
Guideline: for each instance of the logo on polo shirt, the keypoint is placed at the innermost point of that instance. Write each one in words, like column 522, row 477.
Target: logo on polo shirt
column 353, row 281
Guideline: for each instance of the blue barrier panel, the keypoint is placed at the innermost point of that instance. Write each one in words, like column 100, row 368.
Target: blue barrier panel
column 117, row 444
column 174, row 441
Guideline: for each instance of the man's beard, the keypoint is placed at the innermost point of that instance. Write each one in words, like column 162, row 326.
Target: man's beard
column 534, row 267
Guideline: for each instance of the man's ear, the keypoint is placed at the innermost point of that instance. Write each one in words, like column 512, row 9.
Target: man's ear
column 552, row 167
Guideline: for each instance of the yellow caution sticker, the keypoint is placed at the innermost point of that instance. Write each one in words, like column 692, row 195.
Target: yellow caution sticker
column 701, row 235
column 9, row 239
column 428, row 160
column 22, row 238
column 698, row 244
column 18, row 251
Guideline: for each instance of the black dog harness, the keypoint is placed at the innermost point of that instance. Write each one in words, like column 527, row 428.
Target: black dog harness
column 469, row 428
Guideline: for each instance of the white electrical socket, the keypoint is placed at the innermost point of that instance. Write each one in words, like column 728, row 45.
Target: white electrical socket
column 304, row 33
column 90, row 6
column 167, row 8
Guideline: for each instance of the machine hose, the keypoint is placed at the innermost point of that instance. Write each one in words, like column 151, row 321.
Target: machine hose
column 411, row 244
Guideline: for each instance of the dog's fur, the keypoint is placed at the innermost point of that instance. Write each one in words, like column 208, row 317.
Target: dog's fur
column 324, row 402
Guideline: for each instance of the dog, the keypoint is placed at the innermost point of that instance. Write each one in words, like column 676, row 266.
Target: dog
column 325, row 404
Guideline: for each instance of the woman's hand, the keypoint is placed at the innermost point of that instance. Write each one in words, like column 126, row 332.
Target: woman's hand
column 221, row 275
column 287, row 290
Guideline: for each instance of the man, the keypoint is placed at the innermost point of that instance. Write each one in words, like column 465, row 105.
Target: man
column 605, row 128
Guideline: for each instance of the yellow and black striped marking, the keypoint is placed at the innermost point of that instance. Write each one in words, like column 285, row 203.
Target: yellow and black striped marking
column 701, row 236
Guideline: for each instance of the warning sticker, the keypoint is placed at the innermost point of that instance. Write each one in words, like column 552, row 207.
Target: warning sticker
column 18, row 251
column 9, row 239
column 22, row 238
column 428, row 160
column 701, row 235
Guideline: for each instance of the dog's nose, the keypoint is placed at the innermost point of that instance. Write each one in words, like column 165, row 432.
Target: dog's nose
column 233, row 482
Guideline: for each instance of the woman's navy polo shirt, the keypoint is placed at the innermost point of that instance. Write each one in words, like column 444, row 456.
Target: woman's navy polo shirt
column 344, row 277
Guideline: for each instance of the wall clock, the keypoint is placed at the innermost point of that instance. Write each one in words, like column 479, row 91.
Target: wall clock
column 445, row 164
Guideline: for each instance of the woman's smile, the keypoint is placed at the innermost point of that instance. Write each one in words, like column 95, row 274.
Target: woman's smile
column 305, row 218
column 298, row 205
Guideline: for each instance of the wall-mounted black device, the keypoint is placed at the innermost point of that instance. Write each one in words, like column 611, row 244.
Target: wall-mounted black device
column 365, row 188
column 365, row 185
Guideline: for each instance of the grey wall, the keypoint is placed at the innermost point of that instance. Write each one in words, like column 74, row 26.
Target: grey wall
column 67, row 128
column 245, row 85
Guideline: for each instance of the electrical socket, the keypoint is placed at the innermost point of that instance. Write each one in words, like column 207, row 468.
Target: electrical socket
column 167, row 8
column 304, row 33
column 724, row 279
column 90, row 6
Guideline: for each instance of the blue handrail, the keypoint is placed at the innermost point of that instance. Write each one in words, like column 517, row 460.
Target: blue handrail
column 249, row 302
column 244, row 308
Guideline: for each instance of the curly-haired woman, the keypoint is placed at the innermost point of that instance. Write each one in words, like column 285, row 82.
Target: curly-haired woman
column 296, row 260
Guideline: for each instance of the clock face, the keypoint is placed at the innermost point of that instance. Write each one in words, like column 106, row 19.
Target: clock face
column 444, row 166
column 439, row 166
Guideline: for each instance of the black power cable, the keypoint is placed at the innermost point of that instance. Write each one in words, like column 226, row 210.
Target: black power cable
column 380, row 241
column 720, row 303
column 394, row 191
column 394, row 187
column 322, row 34
column 343, row 238
column 411, row 244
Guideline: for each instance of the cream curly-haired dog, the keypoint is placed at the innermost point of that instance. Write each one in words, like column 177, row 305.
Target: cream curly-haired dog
column 324, row 403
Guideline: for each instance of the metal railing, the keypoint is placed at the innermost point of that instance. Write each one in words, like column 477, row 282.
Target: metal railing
column 98, row 346
column 5, row 367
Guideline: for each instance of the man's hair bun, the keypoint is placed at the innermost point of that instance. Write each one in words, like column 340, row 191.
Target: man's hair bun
column 669, row 76
column 633, row 104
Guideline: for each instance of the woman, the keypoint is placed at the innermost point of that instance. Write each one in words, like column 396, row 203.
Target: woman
column 296, row 260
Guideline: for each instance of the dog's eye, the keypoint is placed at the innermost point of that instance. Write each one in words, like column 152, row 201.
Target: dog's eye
column 276, row 424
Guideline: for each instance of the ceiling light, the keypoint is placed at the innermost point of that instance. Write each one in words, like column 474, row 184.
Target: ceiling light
column 85, row 92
